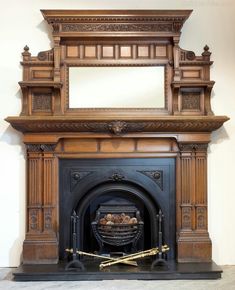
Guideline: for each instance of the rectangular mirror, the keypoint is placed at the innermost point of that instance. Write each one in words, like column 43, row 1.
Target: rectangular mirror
column 117, row 87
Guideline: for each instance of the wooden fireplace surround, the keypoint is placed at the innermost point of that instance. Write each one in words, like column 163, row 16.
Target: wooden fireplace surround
column 51, row 130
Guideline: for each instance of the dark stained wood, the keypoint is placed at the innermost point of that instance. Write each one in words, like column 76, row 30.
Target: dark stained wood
column 52, row 130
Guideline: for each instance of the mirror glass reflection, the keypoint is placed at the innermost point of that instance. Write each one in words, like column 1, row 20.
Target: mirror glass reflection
column 116, row 87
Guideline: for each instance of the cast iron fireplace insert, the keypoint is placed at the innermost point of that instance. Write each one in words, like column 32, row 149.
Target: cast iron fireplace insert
column 145, row 183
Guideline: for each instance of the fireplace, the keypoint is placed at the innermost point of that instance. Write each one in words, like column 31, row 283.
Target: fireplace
column 117, row 186
column 140, row 158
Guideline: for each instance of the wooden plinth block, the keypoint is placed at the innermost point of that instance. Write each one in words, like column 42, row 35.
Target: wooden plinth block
column 40, row 252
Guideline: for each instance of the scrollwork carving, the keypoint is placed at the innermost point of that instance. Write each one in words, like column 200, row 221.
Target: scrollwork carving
column 45, row 55
column 192, row 147
column 116, row 27
column 187, row 55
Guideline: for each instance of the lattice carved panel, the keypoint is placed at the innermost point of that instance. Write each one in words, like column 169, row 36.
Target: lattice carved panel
column 42, row 102
column 191, row 101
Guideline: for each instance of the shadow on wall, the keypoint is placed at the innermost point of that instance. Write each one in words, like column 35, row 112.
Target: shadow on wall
column 14, row 138
column 10, row 135
column 219, row 136
column 13, row 141
column 45, row 27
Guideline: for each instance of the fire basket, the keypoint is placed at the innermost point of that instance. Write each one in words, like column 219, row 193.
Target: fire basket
column 117, row 225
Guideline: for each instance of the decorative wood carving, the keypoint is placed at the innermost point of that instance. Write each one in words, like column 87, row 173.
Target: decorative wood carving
column 52, row 130
column 40, row 147
column 45, row 55
column 42, row 102
column 191, row 101
column 118, row 27
column 117, row 127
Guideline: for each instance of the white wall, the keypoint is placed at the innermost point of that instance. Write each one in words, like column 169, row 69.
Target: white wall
column 212, row 23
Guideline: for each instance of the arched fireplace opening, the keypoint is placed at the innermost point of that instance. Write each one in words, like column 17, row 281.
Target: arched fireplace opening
column 117, row 199
column 135, row 189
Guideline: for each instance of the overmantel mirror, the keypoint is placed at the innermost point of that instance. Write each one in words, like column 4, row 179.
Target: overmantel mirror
column 117, row 87
column 116, row 111
column 118, row 75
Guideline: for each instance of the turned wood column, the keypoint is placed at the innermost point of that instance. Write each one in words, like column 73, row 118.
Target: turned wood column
column 193, row 242
column 41, row 245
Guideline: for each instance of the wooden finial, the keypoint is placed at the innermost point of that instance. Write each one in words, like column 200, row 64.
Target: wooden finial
column 26, row 48
column 206, row 53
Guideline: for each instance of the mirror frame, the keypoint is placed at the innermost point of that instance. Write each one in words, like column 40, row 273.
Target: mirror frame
column 117, row 111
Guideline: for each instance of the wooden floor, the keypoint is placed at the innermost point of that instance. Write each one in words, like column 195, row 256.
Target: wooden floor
column 226, row 283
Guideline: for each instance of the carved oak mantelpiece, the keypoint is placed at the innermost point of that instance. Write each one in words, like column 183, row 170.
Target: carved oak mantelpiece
column 52, row 130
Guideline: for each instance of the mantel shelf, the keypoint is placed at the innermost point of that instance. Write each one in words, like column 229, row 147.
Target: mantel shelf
column 125, row 125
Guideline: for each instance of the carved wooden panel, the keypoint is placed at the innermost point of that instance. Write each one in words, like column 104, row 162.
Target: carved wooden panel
column 201, row 218
column 48, row 219
column 34, row 194
column 161, row 51
column 186, row 218
column 34, row 186
column 72, row 51
column 186, row 171
column 99, row 51
column 34, row 220
column 87, row 27
column 191, row 101
column 48, row 177
column 116, row 145
column 107, row 51
column 192, row 73
column 42, row 102
column 201, row 181
column 41, row 74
